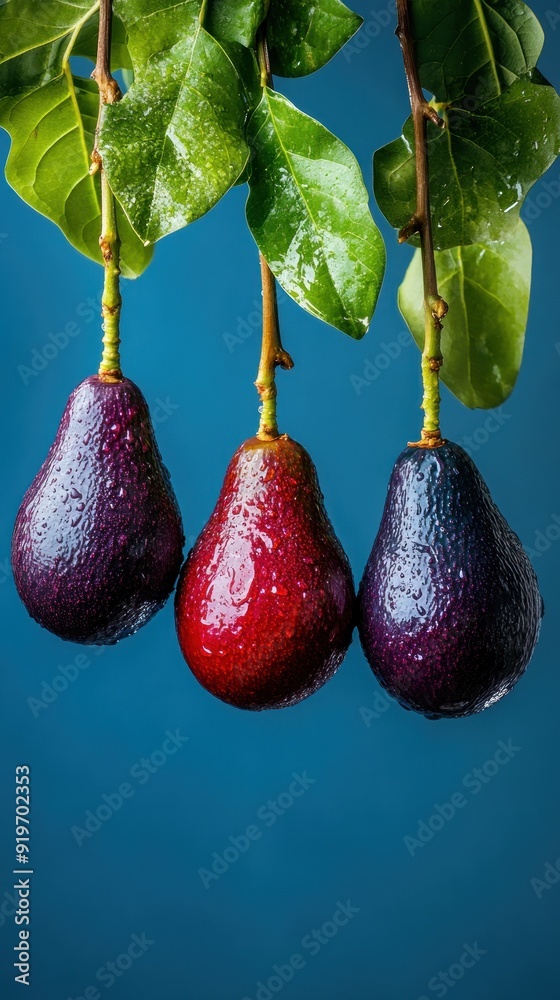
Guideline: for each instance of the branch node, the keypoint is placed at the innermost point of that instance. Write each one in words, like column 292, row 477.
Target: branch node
column 412, row 227
column 439, row 307
column 429, row 439
column 284, row 360
column 96, row 161
column 106, row 249
column 431, row 114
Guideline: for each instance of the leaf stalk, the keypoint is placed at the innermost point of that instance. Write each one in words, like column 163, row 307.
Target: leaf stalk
column 109, row 241
column 435, row 307
column 273, row 354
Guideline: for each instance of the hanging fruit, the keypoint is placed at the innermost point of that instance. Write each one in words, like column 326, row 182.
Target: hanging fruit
column 265, row 603
column 449, row 608
column 449, row 605
column 98, row 539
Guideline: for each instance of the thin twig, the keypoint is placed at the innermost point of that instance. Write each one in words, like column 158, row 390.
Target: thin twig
column 273, row 354
column 109, row 90
column 109, row 242
column 435, row 307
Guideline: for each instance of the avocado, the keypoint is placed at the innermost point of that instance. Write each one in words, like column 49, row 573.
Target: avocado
column 265, row 605
column 449, row 608
column 98, row 539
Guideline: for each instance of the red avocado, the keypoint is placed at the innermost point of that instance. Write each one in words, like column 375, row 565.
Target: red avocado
column 265, row 603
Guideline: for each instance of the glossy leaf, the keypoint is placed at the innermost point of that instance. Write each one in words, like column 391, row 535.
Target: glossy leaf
column 175, row 143
column 308, row 211
column 474, row 49
column 487, row 289
column 51, row 115
column 481, row 166
column 234, row 20
column 303, row 35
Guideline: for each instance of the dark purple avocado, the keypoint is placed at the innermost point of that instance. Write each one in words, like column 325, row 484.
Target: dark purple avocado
column 98, row 538
column 449, row 608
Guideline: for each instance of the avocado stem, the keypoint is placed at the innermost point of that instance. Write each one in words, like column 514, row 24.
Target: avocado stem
column 109, row 242
column 272, row 352
column 111, row 300
column 434, row 306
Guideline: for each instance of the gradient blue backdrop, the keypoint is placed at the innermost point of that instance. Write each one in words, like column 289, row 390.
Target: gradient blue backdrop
column 375, row 776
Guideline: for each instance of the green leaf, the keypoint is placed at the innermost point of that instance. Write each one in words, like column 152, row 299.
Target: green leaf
column 303, row 35
column 475, row 48
column 27, row 25
column 481, row 166
column 308, row 211
column 234, row 20
column 50, row 115
column 175, row 143
column 487, row 289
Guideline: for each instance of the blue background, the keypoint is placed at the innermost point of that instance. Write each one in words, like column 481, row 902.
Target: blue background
column 375, row 776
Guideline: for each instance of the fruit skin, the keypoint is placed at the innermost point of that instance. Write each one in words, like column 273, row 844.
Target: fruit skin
column 265, row 603
column 449, row 608
column 98, row 539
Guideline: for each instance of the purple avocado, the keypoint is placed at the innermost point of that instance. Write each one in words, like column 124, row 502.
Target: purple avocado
column 98, row 539
column 449, row 608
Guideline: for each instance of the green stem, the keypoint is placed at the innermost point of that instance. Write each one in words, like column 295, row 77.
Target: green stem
column 434, row 306
column 109, row 242
column 111, row 299
column 272, row 352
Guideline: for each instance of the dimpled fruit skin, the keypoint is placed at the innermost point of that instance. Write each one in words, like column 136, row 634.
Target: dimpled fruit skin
column 98, row 539
column 265, row 603
column 449, row 608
